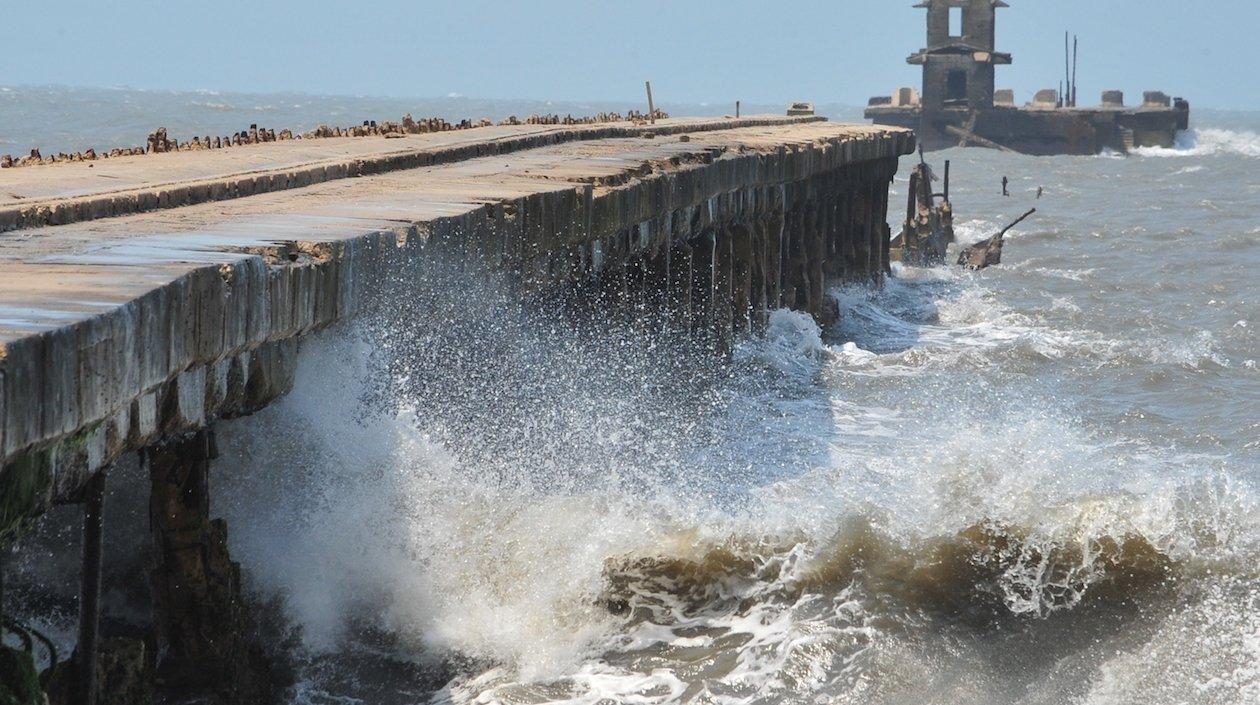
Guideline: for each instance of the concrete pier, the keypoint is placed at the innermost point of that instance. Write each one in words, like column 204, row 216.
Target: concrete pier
column 179, row 292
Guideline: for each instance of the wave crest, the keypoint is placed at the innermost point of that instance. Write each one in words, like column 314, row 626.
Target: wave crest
column 1208, row 141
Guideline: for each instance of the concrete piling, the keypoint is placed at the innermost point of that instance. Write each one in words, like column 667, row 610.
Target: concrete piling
column 678, row 285
column 702, row 249
column 199, row 617
column 722, row 315
column 86, row 651
column 741, row 278
column 758, row 313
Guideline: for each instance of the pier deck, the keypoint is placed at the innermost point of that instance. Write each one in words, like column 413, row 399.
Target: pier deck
column 57, row 194
column 118, row 331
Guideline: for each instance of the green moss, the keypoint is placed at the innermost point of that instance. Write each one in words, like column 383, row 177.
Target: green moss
column 24, row 485
column 19, row 681
column 25, row 481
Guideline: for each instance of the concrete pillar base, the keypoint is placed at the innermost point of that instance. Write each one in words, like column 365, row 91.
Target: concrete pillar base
column 203, row 627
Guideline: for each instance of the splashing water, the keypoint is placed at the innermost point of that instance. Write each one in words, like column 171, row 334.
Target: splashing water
column 1033, row 484
column 1208, row 141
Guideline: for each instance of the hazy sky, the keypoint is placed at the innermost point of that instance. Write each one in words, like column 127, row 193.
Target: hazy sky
column 761, row 51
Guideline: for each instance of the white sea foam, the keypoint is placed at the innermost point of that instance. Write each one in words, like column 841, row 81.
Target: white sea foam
column 1207, row 141
column 796, row 596
column 1198, row 351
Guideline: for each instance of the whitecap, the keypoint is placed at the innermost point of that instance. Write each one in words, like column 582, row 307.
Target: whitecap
column 1207, row 141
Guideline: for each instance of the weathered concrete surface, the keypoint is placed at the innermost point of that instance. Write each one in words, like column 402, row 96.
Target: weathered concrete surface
column 121, row 331
column 57, row 194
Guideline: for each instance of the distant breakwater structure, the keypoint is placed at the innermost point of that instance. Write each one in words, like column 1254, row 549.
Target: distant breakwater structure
column 138, row 310
column 159, row 141
column 959, row 106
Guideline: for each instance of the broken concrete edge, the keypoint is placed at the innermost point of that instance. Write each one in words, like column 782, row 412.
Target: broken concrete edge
column 222, row 340
column 238, row 185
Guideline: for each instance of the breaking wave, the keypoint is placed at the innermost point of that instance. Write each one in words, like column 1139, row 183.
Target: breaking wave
column 1031, row 485
column 850, row 515
column 1207, row 141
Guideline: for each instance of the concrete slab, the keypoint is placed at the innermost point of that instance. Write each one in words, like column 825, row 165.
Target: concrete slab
column 56, row 194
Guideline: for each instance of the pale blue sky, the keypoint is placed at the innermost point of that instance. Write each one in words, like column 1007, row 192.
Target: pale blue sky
column 761, row 51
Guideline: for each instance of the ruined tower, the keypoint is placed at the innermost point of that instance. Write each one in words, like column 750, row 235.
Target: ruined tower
column 958, row 106
column 959, row 60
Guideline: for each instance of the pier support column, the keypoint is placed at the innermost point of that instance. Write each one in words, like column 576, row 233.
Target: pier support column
column 741, row 277
column 87, row 649
column 889, row 170
column 760, row 276
column 874, row 228
column 200, row 620
column 860, row 232
column 656, row 263
column 723, row 301
column 702, row 285
column 678, row 286
column 848, row 246
column 774, row 260
column 795, row 286
column 815, row 260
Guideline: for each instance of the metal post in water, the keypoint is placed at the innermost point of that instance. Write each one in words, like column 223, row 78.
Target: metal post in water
column 946, row 192
column 90, row 589
column 1067, row 71
column 737, row 109
column 651, row 106
column 1075, row 47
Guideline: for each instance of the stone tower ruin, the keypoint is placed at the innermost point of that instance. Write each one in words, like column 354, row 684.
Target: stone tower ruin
column 958, row 62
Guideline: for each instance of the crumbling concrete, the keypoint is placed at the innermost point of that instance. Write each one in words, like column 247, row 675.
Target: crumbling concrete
column 1045, row 99
column 928, row 228
column 1113, row 99
column 905, row 96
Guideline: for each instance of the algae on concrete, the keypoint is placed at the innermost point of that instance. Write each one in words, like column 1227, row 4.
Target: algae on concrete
column 19, row 681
